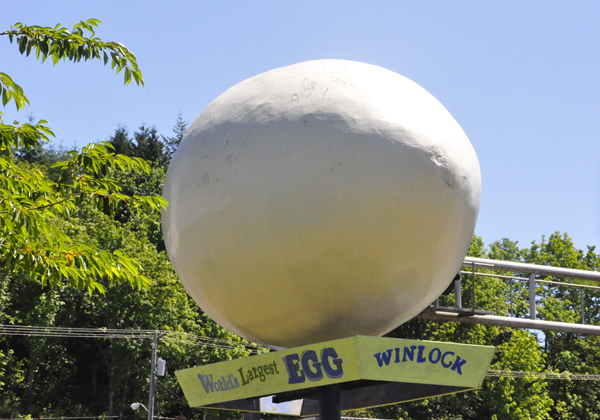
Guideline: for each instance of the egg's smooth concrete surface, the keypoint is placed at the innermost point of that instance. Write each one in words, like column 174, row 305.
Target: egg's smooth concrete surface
column 321, row 200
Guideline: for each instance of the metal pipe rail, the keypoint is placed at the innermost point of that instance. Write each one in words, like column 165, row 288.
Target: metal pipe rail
column 532, row 269
column 543, row 270
column 505, row 321
column 477, row 317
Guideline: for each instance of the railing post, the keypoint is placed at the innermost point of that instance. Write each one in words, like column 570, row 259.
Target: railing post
column 532, row 296
column 511, row 298
column 582, row 306
column 458, row 293
column 473, row 280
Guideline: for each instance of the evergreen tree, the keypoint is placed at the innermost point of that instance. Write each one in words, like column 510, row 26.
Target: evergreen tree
column 149, row 146
column 172, row 143
column 121, row 142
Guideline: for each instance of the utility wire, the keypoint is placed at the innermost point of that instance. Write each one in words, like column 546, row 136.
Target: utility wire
column 67, row 418
column 28, row 330
column 543, row 375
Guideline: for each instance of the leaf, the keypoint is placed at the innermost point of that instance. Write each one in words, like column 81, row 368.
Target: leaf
column 44, row 49
column 29, row 47
column 127, row 75
column 5, row 96
column 22, row 44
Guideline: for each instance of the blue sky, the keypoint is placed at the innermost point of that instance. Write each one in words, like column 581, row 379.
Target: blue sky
column 521, row 78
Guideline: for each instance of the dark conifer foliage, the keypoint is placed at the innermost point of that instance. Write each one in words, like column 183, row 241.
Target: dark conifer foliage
column 148, row 145
column 172, row 143
column 121, row 141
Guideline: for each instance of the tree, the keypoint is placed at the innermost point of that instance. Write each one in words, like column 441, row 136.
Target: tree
column 32, row 205
column 121, row 142
column 51, row 376
column 500, row 398
column 146, row 144
column 149, row 146
column 172, row 143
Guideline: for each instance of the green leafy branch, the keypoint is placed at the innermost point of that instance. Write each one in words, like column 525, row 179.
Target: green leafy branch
column 62, row 44
column 10, row 90
column 32, row 206
column 25, row 136
column 80, row 264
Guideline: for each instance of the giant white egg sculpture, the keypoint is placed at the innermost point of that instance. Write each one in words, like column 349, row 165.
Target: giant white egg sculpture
column 320, row 200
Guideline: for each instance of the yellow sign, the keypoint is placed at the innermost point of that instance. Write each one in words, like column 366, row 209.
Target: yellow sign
column 338, row 361
column 423, row 362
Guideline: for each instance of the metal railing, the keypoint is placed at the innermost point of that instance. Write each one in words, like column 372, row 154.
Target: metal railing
column 521, row 268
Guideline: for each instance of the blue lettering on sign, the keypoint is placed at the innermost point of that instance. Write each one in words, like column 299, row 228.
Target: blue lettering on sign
column 310, row 366
column 457, row 364
column 292, row 365
column 223, row 384
column 420, row 358
column 444, row 362
column 329, row 356
column 384, row 357
column 409, row 352
column 435, row 353
column 434, row 356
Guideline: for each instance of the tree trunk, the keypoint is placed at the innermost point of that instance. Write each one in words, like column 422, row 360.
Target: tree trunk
column 123, row 399
column 33, row 362
column 94, row 382
column 111, row 389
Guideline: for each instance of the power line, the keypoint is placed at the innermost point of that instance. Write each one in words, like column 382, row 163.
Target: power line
column 71, row 418
column 110, row 333
column 30, row 330
column 543, row 375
